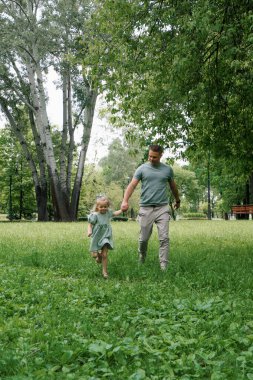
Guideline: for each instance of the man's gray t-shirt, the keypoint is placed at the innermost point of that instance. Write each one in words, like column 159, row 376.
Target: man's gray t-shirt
column 154, row 183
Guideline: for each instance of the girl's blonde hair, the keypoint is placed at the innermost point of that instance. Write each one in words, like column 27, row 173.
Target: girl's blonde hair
column 101, row 198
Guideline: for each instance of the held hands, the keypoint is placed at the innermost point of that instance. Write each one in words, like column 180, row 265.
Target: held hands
column 124, row 206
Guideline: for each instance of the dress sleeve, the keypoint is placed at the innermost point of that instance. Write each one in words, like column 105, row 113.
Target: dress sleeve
column 110, row 213
column 92, row 218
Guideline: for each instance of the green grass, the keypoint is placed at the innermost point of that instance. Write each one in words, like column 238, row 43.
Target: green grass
column 59, row 319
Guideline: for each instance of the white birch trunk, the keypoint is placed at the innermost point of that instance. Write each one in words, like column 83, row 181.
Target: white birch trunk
column 88, row 120
column 64, row 132
column 71, row 137
column 39, row 102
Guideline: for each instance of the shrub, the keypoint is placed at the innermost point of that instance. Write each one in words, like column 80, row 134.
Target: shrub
column 120, row 218
column 194, row 215
column 82, row 219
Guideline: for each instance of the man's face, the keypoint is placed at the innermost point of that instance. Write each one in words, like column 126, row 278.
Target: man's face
column 154, row 157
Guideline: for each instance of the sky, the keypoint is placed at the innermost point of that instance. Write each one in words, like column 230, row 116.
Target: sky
column 102, row 133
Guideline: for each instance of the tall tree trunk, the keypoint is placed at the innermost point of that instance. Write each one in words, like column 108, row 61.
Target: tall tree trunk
column 88, row 120
column 251, row 188
column 71, row 138
column 41, row 199
column 10, row 211
column 39, row 102
column 209, row 209
column 64, row 131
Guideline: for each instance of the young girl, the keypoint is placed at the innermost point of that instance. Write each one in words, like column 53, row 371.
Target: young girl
column 99, row 228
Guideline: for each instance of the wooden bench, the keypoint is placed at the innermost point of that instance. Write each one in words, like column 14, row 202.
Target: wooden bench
column 242, row 209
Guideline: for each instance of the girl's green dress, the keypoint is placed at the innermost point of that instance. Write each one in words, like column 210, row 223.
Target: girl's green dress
column 101, row 230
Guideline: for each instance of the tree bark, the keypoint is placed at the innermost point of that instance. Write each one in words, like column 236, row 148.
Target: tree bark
column 88, row 120
column 64, row 131
column 25, row 60
column 60, row 199
column 251, row 189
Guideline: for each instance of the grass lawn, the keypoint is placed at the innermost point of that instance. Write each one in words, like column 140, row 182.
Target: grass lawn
column 59, row 319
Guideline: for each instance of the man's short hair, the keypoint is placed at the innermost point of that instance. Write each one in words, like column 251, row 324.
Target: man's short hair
column 156, row 148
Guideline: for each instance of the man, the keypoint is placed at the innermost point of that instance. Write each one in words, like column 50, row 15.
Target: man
column 155, row 178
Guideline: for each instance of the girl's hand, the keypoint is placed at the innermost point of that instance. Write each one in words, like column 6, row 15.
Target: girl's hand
column 89, row 233
column 118, row 212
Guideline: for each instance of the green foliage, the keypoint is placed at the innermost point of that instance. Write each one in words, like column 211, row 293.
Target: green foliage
column 227, row 180
column 181, row 72
column 191, row 191
column 17, row 193
column 36, row 39
column 59, row 319
column 194, row 215
column 119, row 165
column 93, row 185
column 120, row 219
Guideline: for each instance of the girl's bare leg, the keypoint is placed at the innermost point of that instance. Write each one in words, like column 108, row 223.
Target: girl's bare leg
column 104, row 261
column 97, row 256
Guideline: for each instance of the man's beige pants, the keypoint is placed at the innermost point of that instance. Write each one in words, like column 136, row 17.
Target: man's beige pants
column 147, row 217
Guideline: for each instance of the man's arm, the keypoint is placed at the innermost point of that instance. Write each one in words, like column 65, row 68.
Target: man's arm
column 129, row 191
column 174, row 191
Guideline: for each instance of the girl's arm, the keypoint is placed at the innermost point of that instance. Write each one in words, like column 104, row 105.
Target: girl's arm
column 89, row 229
column 116, row 213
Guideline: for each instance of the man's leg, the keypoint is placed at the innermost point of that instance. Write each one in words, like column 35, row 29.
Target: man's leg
column 146, row 225
column 162, row 222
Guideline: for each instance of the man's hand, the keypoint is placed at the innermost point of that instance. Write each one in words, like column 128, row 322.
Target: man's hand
column 124, row 206
column 129, row 191
column 177, row 205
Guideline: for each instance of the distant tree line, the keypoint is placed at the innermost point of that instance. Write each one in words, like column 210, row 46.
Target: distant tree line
column 110, row 177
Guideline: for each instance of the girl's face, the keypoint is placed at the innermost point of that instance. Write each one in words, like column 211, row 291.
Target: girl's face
column 102, row 207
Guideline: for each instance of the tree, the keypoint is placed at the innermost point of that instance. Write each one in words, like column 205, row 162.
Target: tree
column 120, row 163
column 16, row 196
column 118, row 168
column 227, row 182
column 94, row 186
column 37, row 35
column 181, row 72
column 191, row 191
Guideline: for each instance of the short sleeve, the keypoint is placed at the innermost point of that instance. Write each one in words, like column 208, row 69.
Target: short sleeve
column 171, row 175
column 92, row 218
column 110, row 213
column 138, row 173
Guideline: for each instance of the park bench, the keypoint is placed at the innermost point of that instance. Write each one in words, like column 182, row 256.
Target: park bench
column 242, row 210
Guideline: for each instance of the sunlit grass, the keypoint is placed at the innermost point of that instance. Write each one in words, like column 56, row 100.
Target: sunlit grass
column 59, row 319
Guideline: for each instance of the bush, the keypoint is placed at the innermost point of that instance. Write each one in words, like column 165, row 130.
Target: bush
column 194, row 215
column 120, row 219
column 82, row 219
